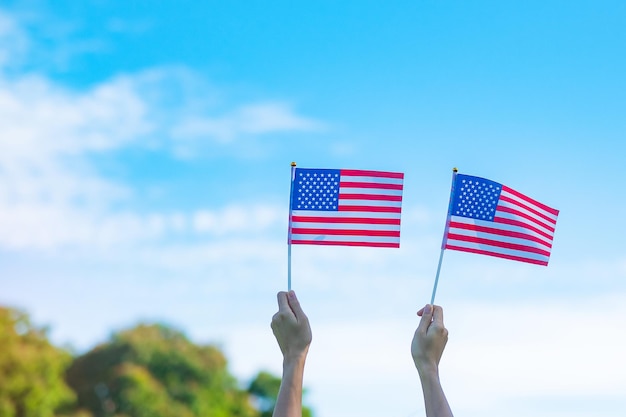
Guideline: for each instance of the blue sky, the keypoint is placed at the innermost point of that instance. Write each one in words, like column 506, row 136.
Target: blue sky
column 144, row 175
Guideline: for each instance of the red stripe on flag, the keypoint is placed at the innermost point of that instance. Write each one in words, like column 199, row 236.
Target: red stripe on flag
column 350, row 220
column 524, row 206
column 525, row 216
column 333, row 243
column 345, row 232
column 525, row 225
column 353, row 184
column 370, row 208
column 530, row 200
column 370, row 197
column 366, row 173
column 499, row 255
column 501, row 232
column 497, row 243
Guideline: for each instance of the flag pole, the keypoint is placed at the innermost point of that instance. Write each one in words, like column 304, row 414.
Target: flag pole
column 432, row 297
column 293, row 176
column 445, row 236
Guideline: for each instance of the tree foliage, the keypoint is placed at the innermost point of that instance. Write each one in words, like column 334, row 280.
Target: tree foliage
column 264, row 387
column 31, row 370
column 155, row 371
column 145, row 371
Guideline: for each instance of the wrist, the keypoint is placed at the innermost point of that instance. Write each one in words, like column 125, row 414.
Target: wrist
column 296, row 358
column 427, row 370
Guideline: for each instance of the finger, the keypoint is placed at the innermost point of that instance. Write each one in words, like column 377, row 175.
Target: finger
column 427, row 315
column 294, row 303
column 283, row 303
column 438, row 315
column 420, row 311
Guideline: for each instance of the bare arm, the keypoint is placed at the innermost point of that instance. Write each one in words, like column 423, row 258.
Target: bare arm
column 293, row 333
column 427, row 348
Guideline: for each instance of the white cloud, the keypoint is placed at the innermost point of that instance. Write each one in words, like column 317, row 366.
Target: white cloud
column 41, row 120
column 49, row 226
column 252, row 119
column 498, row 355
column 13, row 41
column 238, row 219
column 51, row 193
column 517, row 352
column 558, row 341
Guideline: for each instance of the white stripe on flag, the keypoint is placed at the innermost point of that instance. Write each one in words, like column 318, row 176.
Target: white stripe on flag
column 380, row 180
column 499, row 250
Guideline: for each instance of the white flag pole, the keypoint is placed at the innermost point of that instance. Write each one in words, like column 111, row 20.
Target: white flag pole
column 432, row 298
column 293, row 176
column 445, row 236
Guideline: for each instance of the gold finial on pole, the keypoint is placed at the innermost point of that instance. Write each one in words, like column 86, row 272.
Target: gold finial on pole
column 453, row 169
column 293, row 164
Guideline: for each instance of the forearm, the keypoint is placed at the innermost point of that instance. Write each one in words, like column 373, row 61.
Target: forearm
column 289, row 401
column 434, row 397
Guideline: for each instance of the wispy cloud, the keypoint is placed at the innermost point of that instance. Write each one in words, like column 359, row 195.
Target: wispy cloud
column 238, row 218
column 13, row 41
column 51, row 192
column 251, row 119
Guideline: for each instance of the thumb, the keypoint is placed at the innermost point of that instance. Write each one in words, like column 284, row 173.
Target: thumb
column 427, row 316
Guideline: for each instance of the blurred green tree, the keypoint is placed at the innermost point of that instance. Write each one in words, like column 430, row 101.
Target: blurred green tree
column 155, row 371
column 145, row 371
column 264, row 388
column 31, row 370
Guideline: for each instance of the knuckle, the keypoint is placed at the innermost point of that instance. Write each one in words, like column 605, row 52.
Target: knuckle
column 441, row 330
column 444, row 332
column 280, row 316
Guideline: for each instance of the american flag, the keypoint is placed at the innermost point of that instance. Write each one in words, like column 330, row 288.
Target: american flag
column 346, row 207
column 489, row 218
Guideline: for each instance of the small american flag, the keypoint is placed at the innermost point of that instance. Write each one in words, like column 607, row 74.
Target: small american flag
column 346, row 207
column 489, row 218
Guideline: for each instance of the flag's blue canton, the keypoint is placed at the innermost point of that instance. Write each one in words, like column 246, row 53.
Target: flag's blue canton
column 475, row 197
column 316, row 189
